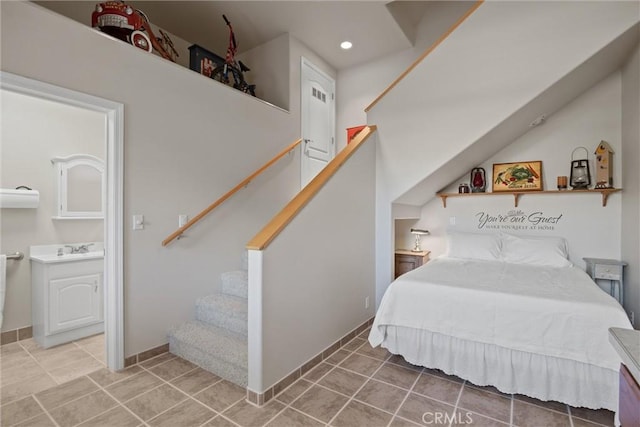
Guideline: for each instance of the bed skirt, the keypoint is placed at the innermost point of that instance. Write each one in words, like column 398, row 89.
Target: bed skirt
column 510, row 371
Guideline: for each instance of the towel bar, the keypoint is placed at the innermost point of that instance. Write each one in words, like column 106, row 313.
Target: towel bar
column 16, row 256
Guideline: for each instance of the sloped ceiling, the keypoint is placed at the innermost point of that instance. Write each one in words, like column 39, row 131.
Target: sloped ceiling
column 583, row 77
column 376, row 28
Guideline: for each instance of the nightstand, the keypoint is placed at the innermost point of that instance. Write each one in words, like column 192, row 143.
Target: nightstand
column 409, row 260
column 611, row 270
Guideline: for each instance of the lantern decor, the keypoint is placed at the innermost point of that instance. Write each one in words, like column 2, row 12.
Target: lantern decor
column 604, row 165
column 478, row 180
column 580, row 177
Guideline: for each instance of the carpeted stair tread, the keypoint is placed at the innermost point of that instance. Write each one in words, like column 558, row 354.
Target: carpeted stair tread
column 217, row 350
column 224, row 311
column 235, row 283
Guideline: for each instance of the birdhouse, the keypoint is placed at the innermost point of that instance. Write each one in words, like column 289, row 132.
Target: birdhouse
column 604, row 165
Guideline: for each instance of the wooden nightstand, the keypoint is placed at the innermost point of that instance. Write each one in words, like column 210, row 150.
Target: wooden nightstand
column 409, row 260
column 611, row 270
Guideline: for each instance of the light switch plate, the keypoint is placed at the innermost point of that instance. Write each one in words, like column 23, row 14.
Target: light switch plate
column 138, row 222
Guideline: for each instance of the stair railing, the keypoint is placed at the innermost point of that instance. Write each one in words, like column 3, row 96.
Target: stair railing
column 284, row 217
column 176, row 234
column 431, row 48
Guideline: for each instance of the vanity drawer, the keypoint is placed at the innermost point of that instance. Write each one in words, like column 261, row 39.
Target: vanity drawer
column 608, row 272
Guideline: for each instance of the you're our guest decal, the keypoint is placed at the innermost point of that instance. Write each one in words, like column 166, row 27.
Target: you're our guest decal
column 518, row 220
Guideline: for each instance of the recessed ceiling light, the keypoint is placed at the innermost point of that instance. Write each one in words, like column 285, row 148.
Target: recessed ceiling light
column 346, row 45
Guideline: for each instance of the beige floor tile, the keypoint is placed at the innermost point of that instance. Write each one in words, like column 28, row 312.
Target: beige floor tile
column 173, row 368
column 187, row 413
column 75, row 370
column 465, row 418
column 21, row 370
column 337, row 357
column 342, row 381
column 96, row 349
column 294, row 391
column 195, row 381
column 375, row 352
column 18, row 411
column 354, row 344
column 600, row 416
column 42, row 420
column 381, row 395
column 526, row 415
column 220, row 421
column 438, row 388
column 554, row 406
column 9, row 349
column 397, row 375
column 93, row 340
column 116, row 417
column 221, row 395
column 64, row 393
column 133, row 386
column 82, row 409
column 290, row 417
column 105, row 377
column 36, row 351
column 320, row 403
column 13, row 356
column 415, row 407
column 399, row 360
column 485, row 403
column 153, row 402
column 25, row 387
column 55, row 360
column 361, row 364
column 359, row 414
column 164, row 357
column 401, row 422
column 245, row 414
column 318, row 372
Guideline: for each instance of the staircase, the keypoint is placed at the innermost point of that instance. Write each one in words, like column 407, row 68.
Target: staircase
column 217, row 339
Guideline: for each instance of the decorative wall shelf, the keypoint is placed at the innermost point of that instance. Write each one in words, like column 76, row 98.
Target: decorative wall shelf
column 516, row 194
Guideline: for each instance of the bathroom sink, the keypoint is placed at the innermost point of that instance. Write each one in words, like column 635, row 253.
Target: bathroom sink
column 48, row 254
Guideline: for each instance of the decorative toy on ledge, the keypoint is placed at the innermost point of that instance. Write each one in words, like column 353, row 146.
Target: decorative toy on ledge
column 123, row 22
column 604, row 165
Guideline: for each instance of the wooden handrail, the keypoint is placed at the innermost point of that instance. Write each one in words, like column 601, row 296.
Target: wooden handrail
column 230, row 193
column 426, row 53
column 280, row 221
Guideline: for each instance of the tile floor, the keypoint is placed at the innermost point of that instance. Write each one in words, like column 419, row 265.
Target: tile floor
column 25, row 368
column 356, row 386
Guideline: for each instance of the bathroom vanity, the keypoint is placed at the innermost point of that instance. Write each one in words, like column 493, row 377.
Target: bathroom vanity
column 67, row 300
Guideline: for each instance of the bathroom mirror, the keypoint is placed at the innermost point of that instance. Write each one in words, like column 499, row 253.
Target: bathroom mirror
column 80, row 183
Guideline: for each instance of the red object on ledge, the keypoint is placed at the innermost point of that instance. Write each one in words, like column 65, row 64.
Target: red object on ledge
column 352, row 132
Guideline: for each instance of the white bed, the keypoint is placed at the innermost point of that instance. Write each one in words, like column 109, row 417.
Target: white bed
column 538, row 329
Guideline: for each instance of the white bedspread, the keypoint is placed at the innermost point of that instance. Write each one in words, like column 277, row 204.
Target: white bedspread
column 556, row 312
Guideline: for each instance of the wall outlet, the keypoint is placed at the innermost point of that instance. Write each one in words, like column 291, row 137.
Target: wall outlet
column 182, row 219
column 366, row 302
column 452, row 220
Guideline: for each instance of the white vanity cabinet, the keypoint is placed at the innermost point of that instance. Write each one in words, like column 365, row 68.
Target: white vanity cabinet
column 67, row 297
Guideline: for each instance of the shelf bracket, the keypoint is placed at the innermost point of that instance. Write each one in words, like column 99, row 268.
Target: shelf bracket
column 605, row 196
column 516, row 196
column 444, row 200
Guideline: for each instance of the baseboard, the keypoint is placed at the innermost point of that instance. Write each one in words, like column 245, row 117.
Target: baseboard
column 15, row 335
column 145, row 355
column 260, row 399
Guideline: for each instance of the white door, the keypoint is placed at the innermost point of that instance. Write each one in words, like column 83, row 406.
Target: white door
column 318, row 121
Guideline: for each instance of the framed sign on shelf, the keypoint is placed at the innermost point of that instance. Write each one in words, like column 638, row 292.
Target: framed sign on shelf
column 517, row 176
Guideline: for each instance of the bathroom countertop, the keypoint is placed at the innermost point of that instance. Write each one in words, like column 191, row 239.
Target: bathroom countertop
column 626, row 342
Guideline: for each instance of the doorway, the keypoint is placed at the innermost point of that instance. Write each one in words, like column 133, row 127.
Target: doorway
column 318, row 111
column 113, row 114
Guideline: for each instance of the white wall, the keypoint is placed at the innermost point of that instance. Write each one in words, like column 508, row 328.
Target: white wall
column 33, row 131
column 502, row 57
column 630, row 155
column 188, row 140
column 590, row 229
column 358, row 86
column 315, row 275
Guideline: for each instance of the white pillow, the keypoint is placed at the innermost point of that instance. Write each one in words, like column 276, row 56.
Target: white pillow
column 546, row 251
column 474, row 246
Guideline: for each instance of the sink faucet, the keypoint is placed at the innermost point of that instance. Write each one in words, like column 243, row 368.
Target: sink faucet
column 80, row 249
